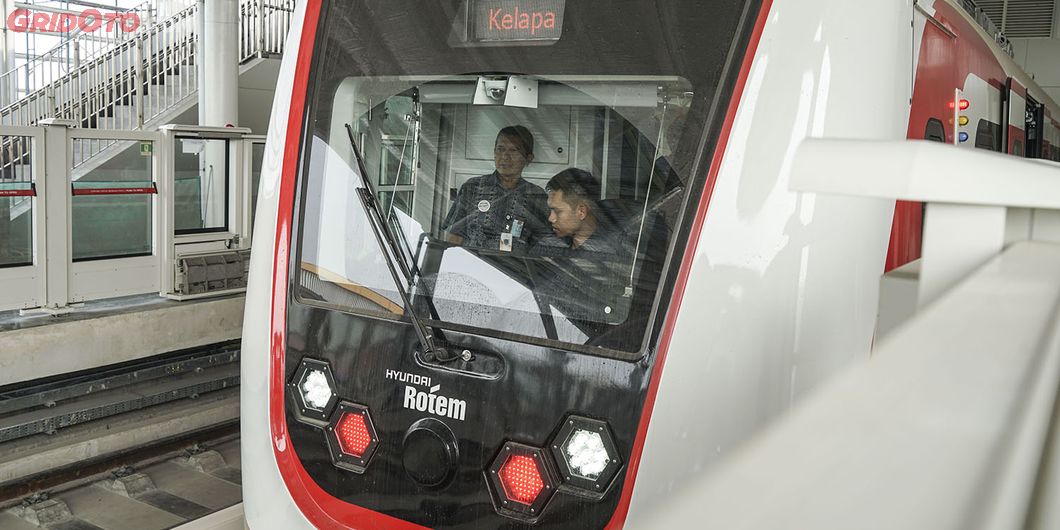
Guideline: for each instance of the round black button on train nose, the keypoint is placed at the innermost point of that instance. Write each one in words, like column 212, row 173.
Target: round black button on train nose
column 429, row 453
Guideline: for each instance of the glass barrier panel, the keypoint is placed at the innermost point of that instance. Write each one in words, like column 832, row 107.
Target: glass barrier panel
column 201, row 168
column 16, row 201
column 112, row 183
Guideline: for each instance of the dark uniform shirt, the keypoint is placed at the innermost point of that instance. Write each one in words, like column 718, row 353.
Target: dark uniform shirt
column 586, row 283
column 484, row 211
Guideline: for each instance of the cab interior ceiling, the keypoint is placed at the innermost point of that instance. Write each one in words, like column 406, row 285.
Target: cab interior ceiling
column 595, row 91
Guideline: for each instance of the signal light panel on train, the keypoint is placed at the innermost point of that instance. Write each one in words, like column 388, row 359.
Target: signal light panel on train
column 959, row 120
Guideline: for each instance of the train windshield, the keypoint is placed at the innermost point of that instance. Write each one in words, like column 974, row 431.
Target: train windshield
column 532, row 170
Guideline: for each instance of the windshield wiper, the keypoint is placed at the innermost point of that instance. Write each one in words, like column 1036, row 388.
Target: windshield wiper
column 391, row 254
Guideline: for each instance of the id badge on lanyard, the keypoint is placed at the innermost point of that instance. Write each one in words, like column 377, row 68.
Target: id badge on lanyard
column 513, row 229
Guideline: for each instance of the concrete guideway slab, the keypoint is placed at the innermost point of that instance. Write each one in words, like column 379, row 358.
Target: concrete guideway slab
column 69, row 344
column 230, row 518
column 204, row 489
column 112, row 511
column 145, row 496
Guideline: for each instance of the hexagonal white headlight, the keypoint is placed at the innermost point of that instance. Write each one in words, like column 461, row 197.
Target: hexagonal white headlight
column 586, row 454
column 315, row 390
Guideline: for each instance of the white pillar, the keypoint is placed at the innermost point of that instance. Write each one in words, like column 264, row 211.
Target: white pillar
column 220, row 97
column 58, row 230
column 8, row 86
column 219, row 101
column 200, row 59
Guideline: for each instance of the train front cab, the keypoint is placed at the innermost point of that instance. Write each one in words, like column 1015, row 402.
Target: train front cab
column 527, row 410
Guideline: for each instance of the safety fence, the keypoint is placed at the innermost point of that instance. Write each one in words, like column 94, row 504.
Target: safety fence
column 153, row 216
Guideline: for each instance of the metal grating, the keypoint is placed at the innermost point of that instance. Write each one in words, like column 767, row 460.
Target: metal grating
column 212, row 272
column 1021, row 18
column 1029, row 18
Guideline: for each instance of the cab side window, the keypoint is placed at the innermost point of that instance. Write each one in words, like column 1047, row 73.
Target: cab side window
column 988, row 135
column 934, row 131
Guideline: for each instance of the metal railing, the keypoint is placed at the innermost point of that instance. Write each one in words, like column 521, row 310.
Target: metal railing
column 132, row 71
column 67, row 56
column 125, row 83
column 122, row 76
column 263, row 26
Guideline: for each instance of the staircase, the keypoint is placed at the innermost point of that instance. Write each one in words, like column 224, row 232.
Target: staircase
column 132, row 82
column 138, row 81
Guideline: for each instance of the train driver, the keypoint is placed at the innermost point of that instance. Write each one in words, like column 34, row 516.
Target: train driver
column 577, row 216
column 501, row 211
column 586, row 264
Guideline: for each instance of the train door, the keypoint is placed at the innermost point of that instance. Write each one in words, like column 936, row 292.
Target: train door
column 1015, row 118
column 1050, row 137
column 1034, row 120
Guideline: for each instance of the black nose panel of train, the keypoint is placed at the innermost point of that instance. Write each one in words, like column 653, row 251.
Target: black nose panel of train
column 429, row 453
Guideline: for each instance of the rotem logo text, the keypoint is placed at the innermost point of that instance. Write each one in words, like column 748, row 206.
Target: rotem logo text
column 89, row 20
column 436, row 404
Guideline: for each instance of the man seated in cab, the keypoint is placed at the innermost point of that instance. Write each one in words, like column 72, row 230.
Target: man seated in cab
column 501, row 211
column 577, row 217
column 584, row 268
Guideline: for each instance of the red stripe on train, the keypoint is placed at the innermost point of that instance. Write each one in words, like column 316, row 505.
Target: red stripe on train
column 622, row 510
column 322, row 509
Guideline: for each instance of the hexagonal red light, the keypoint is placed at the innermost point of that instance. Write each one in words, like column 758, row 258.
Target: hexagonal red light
column 351, row 437
column 353, row 434
column 521, row 479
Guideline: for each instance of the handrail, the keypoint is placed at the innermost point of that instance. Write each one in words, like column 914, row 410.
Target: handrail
column 966, row 217
column 925, row 171
column 89, row 71
column 953, row 423
column 69, row 53
column 947, row 426
column 263, row 27
column 134, row 81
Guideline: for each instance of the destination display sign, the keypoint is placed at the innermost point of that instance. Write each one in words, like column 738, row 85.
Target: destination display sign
column 516, row 20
